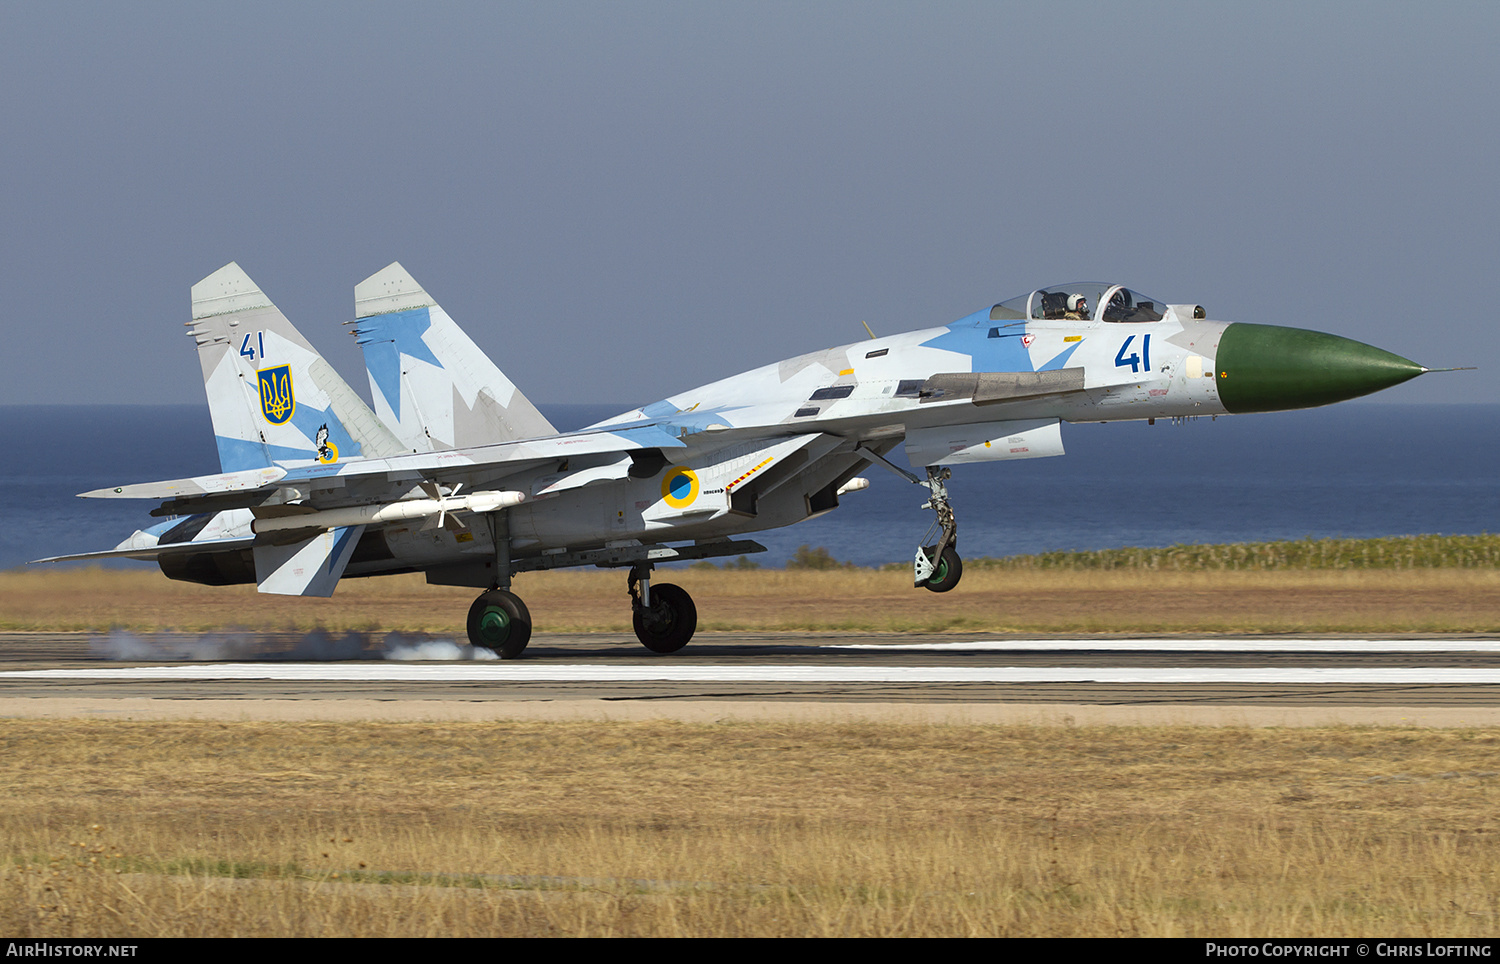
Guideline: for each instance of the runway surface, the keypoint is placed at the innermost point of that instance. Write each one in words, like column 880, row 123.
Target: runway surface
column 1459, row 674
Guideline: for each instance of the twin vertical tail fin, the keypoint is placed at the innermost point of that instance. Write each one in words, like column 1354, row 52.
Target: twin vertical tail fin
column 432, row 385
column 272, row 397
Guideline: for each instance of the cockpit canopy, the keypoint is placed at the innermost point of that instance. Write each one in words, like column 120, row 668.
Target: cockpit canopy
column 1080, row 301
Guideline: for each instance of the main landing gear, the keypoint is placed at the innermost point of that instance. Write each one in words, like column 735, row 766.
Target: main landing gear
column 498, row 621
column 664, row 616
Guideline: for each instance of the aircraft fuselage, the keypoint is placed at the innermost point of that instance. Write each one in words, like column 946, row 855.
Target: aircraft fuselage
column 457, row 475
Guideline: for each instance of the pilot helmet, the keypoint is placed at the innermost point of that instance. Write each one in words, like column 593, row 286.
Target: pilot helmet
column 1078, row 303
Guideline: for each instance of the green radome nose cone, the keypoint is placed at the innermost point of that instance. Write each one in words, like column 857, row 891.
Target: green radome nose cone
column 1267, row 368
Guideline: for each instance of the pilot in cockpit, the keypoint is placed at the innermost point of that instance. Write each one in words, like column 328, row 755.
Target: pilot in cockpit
column 1078, row 308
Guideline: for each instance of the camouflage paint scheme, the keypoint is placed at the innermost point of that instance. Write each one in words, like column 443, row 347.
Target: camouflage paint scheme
column 456, row 474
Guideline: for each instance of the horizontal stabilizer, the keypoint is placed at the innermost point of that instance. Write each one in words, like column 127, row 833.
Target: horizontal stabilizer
column 311, row 567
column 153, row 552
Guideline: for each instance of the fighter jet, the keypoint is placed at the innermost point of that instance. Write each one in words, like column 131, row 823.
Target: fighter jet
column 457, row 475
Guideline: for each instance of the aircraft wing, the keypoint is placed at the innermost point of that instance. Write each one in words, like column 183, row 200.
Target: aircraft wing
column 296, row 480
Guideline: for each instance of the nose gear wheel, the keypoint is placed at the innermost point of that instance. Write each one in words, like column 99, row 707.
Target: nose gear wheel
column 947, row 568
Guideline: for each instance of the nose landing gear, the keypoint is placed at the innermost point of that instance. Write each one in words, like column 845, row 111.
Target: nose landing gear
column 938, row 567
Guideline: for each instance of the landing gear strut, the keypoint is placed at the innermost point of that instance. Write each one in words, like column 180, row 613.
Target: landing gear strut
column 498, row 620
column 664, row 616
column 938, row 567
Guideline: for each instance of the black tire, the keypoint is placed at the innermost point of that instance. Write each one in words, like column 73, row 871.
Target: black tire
column 947, row 571
column 671, row 621
column 499, row 621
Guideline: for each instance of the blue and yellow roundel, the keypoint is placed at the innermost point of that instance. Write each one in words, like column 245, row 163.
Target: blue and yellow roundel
column 680, row 487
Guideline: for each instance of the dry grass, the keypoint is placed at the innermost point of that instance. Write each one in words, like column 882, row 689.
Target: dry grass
column 1430, row 600
column 1392, row 552
column 164, row 829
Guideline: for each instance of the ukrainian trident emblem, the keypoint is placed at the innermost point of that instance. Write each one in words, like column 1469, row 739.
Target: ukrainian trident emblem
column 276, row 401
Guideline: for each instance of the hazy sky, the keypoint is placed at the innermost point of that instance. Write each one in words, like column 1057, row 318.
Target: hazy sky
column 620, row 201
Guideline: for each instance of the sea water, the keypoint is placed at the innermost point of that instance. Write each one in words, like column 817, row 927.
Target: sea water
column 1360, row 469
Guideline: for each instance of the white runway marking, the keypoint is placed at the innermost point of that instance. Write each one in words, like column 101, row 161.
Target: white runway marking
column 1199, row 645
column 537, row 672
